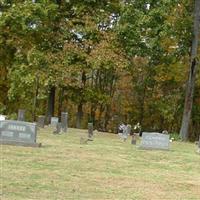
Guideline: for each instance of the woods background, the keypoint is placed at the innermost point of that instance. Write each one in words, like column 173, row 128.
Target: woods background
column 101, row 61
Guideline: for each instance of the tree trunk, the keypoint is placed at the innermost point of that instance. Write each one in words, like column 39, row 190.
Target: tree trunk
column 141, row 105
column 107, row 117
column 99, row 121
column 60, row 102
column 92, row 113
column 35, row 98
column 51, row 103
column 192, row 75
column 79, row 115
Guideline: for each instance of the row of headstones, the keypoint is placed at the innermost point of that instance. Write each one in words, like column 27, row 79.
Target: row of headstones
column 126, row 132
column 153, row 140
column 41, row 120
column 60, row 126
column 149, row 140
column 54, row 121
column 24, row 133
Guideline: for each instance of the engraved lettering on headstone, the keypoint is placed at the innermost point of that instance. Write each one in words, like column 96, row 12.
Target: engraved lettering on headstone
column 18, row 132
column 155, row 141
column 16, row 128
column 7, row 133
column 24, row 135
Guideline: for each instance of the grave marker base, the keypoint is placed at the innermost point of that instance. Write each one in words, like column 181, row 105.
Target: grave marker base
column 151, row 148
column 14, row 143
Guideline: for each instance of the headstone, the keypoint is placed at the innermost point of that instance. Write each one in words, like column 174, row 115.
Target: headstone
column 154, row 141
column 198, row 150
column 165, row 132
column 41, row 121
column 18, row 133
column 133, row 140
column 199, row 143
column 128, row 129
column 125, row 132
column 90, row 130
column 58, row 128
column 21, row 115
column 64, row 119
column 54, row 121
column 2, row 117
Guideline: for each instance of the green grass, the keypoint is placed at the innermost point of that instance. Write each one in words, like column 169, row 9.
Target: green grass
column 106, row 168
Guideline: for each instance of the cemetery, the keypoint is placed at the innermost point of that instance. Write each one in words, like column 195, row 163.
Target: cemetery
column 87, row 164
column 99, row 100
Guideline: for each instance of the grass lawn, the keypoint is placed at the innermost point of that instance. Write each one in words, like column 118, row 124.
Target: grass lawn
column 106, row 168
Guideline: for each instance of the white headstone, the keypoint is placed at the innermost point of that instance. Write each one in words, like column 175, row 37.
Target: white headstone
column 54, row 121
column 2, row 117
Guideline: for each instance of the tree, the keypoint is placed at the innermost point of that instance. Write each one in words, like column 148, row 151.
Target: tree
column 192, row 74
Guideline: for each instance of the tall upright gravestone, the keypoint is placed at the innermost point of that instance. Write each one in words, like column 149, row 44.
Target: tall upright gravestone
column 199, row 143
column 58, row 128
column 64, row 121
column 21, row 115
column 18, row 133
column 128, row 129
column 41, row 121
column 90, row 130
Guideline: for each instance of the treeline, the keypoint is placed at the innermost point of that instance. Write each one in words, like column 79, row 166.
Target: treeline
column 101, row 61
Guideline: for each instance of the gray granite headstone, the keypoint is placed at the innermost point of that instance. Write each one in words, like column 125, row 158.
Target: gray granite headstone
column 41, row 121
column 54, row 121
column 21, row 115
column 154, row 141
column 58, row 128
column 133, row 140
column 18, row 133
column 64, row 118
column 125, row 134
column 198, row 150
column 199, row 143
column 90, row 130
column 128, row 129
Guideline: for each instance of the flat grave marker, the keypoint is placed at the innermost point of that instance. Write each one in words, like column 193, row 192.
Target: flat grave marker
column 18, row 133
column 155, row 141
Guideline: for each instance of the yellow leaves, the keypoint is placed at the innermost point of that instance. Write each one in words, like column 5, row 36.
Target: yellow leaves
column 176, row 72
column 106, row 54
column 169, row 44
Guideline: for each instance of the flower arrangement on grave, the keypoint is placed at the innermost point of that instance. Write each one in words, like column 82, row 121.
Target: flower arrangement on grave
column 137, row 128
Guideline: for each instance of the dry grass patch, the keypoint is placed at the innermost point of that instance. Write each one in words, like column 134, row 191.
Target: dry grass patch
column 106, row 168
